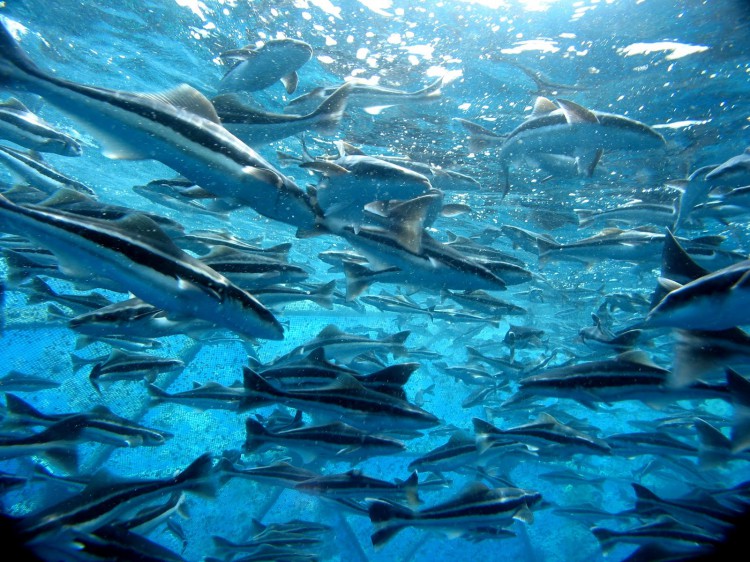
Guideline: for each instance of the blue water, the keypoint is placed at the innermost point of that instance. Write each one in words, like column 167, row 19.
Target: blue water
column 692, row 83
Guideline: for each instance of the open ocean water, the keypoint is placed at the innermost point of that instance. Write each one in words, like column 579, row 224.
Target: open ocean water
column 678, row 70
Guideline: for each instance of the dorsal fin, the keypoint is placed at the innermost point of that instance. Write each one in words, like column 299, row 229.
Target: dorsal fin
column 330, row 331
column 637, row 356
column 543, row 106
column 228, row 103
column 147, row 230
column 62, row 197
column 575, row 113
column 188, row 98
column 219, row 251
column 13, row 103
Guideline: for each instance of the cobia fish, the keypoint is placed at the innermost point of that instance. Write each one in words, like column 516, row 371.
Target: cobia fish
column 22, row 127
column 258, row 68
column 572, row 130
column 135, row 255
column 179, row 128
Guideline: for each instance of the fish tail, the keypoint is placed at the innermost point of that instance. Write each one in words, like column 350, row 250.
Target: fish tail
column 382, row 536
column 96, row 372
column 19, row 407
column 381, row 513
column 65, row 458
column 197, row 476
column 357, row 279
column 607, row 539
column 254, row 432
column 15, row 64
column 328, row 115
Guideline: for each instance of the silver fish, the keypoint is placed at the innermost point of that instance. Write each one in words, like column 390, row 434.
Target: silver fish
column 259, row 68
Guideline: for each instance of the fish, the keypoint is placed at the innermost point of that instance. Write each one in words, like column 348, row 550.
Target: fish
column 100, row 424
column 630, row 375
column 119, row 366
column 346, row 346
column 257, row 127
column 347, row 400
column 354, row 484
column 252, row 270
column 16, row 381
column 364, row 95
column 136, row 255
column 545, row 433
column 475, row 507
column 573, row 130
column 457, row 454
column 315, row 370
column 72, row 201
column 336, row 440
column 57, row 443
column 352, row 181
column 703, row 512
column 257, row 68
column 29, row 167
column 280, row 473
column 734, row 171
column 663, row 533
column 135, row 319
column 634, row 245
column 276, row 297
column 179, row 128
column 210, row 395
column 716, row 301
column 599, row 336
column 433, row 265
column 484, row 302
column 634, row 213
column 41, row 292
column 649, row 443
column 21, row 126
column 103, row 500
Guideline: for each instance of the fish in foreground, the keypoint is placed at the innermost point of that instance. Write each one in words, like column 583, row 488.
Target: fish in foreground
column 477, row 507
column 716, row 301
column 136, row 255
column 103, row 501
column 258, row 68
column 20, row 126
column 178, row 128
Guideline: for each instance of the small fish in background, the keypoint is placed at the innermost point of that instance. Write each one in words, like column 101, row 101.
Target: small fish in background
column 123, row 366
column 21, row 126
column 16, row 381
column 100, row 424
column 29, row 167
column 257, row 68
column 370, row 97
column 601, row 337
column 257, row 127
column 568, row 129
column 335, row 441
